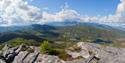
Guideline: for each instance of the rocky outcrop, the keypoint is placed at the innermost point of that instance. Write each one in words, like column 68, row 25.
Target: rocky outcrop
column 103, row 54
column 81, row 53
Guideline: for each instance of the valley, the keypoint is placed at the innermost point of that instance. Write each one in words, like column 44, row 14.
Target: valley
column 71, row 33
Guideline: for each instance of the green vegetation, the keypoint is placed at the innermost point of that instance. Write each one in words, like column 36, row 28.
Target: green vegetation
column 60, row 38
column 19, row 41
column 45, row 47
column 64, row 56
column 1, row 46
column 65, row 36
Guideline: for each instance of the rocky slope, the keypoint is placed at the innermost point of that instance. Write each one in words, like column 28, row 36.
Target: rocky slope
column 80, row 53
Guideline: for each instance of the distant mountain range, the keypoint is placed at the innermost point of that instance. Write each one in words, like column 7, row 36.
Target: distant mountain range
column 63, row 31
column 104, row 25
column 62, row 24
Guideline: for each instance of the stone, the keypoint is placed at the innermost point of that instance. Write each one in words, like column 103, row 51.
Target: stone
column 90, row 53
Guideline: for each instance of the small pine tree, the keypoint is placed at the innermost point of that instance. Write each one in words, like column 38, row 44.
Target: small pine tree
column 45, row 47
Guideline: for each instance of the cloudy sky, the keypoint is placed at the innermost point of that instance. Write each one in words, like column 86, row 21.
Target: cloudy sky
column 43, row 11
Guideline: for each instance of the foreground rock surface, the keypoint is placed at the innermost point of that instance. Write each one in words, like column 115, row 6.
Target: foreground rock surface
column 81, row 53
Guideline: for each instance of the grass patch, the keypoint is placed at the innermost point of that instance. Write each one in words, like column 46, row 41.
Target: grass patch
column 1, row 46
column 18, row 41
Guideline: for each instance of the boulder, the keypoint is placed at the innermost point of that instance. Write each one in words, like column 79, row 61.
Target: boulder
column 80, row 53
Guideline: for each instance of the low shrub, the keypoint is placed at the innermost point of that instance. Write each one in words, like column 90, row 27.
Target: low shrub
column 45, row 47
column 18, row 41
column 1, row 47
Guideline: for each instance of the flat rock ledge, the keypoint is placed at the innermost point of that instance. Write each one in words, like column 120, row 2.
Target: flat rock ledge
column 81, row 52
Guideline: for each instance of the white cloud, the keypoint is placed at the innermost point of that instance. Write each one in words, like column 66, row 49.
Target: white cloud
column 121, row 11
column 121, row 7
column 68, row 14
column 118, row 17
column 19, row 11
column 65, row 14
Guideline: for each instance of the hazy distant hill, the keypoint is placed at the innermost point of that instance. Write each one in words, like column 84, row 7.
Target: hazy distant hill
column 62, row 31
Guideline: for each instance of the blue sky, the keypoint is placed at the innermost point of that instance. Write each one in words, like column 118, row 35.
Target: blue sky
column 84, row 7
column 44, row 11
